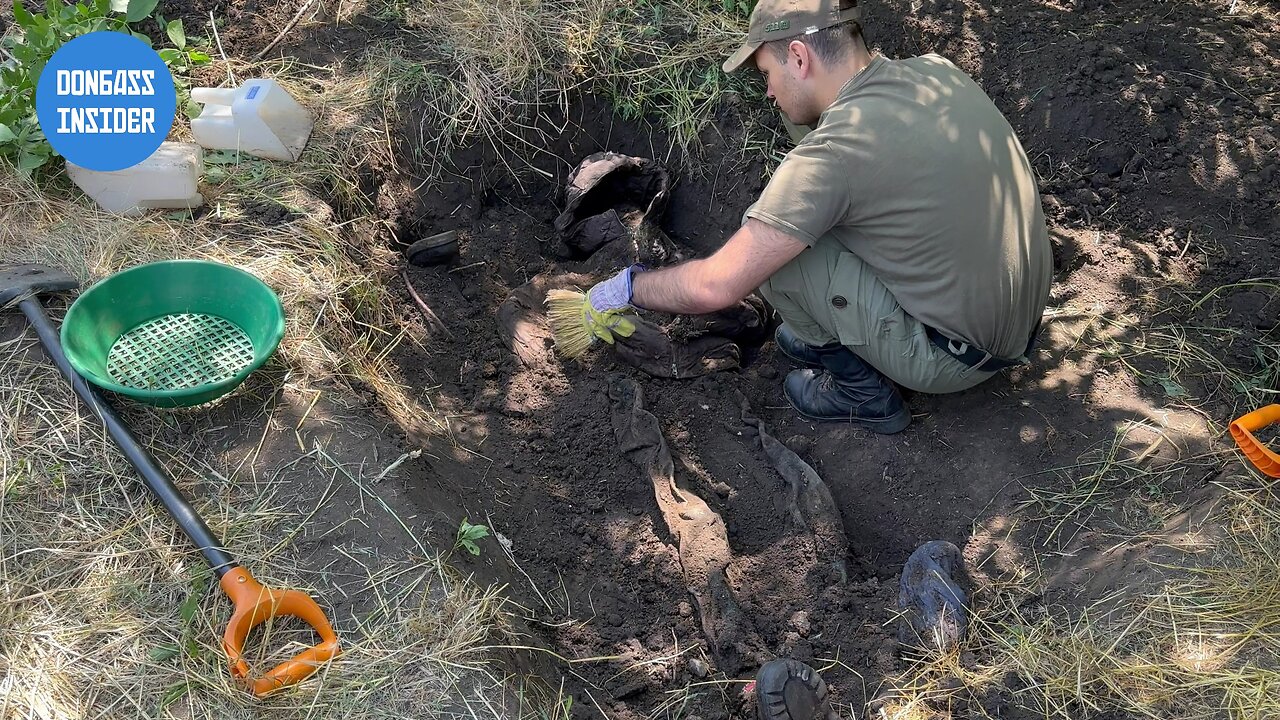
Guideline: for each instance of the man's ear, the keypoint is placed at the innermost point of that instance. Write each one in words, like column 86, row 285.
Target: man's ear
column 799, row 53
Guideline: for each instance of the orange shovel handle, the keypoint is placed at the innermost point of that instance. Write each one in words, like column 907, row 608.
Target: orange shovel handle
column 254, row 605
column 1242, row 430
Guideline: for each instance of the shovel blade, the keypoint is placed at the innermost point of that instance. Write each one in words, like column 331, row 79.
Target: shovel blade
column 20, row 281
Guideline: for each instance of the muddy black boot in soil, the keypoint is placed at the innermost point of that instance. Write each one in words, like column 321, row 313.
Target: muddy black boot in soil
column 934, row 597
column 790, row 690
column 848, row 390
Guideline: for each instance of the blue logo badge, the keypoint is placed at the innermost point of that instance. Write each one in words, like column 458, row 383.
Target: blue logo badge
column 105, row 101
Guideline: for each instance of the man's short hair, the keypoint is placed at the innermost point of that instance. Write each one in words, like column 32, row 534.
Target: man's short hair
column 831, row 44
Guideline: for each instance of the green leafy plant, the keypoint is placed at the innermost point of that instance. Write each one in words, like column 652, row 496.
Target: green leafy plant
column 134, row 10
column 468, row 534
column 24, row 54
column 180, row 58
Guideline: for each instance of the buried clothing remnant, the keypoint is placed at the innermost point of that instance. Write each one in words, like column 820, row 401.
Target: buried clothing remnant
column 613, row 205
column 680, row 347
column 809, row 551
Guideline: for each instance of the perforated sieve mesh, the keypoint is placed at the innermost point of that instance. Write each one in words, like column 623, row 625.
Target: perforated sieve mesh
column 179, row 351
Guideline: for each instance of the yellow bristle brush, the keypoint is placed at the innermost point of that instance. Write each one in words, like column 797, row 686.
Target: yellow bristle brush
column 575, row 325
column 567, row 315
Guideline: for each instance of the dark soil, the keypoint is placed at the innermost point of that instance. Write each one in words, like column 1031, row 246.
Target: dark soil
column 1152, row 128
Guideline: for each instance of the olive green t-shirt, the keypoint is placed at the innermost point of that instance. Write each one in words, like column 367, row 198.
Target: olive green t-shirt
column 914, row 170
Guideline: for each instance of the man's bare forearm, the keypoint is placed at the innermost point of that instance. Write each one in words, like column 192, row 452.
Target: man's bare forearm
column 702, row 286
column 681, row 289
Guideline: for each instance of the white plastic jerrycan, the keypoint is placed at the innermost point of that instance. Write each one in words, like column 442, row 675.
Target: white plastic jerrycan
column 169, row 178
column 258, row 118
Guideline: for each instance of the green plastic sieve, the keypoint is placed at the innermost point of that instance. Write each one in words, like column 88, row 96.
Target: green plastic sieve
column 174, row 333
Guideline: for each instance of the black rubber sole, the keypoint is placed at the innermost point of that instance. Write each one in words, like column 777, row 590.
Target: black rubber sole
column 885, row 426
column 435, row 250
column 790, row 690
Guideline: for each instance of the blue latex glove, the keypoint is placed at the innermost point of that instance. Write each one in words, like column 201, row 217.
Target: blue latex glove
column 607, row 302
column 614, row 293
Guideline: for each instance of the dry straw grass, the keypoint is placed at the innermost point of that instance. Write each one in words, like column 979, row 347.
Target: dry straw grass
column 1200, row 644
column 106, row 612
column 104, row 609
column 1198, row 635
column 497, row 73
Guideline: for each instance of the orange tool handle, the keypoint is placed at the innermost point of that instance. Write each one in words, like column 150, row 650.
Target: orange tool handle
column 254, row 605
column 1258, row 454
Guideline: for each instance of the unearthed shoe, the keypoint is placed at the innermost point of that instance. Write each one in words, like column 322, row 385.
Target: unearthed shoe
column 798, row 350
column 933, row 595
column 820, row 395
column 790, row 690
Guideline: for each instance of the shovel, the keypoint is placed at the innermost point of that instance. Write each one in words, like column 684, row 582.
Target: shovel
column 253, row 603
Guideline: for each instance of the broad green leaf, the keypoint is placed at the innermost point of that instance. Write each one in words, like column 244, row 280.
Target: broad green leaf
column 163, row 652
column 172, row 695
column 20, row 15
column 6, row 135
column 170, row 56
column 222, row 157
column 188, row 609
column 143, row 37
column 1172, row 389
column 468, row 534
column 176, row 34
column 198, row 58
column 30, row 161
column 194, row 109
column 140, row 10
column 24, row 53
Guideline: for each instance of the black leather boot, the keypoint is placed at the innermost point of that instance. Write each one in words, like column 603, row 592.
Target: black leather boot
column 933, row 594
column 798, row 350
column 847, row 389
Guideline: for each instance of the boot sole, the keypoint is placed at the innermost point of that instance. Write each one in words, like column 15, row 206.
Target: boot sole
column 790, row 690
column 884, row 426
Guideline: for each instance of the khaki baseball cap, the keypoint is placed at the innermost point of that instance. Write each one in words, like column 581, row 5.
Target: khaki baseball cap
column 779, row 19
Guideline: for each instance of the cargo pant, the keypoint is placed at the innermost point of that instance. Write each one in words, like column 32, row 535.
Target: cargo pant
column 827, row 294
